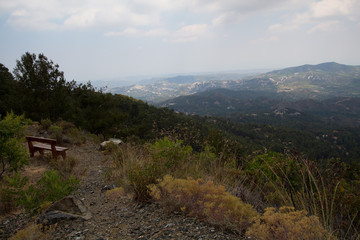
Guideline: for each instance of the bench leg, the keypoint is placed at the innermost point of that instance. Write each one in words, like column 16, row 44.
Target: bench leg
column 63, row 154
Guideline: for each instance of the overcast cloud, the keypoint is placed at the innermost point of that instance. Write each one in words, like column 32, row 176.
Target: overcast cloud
column 94, row 39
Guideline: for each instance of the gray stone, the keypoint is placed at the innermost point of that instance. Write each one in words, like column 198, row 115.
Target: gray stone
column 68, row 208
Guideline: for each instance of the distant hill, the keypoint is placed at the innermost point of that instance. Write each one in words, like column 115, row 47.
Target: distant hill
column 320, row 81
column 172, row 87
column 325, row 80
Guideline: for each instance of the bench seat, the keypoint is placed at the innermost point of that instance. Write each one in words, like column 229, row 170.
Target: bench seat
column 39, row 144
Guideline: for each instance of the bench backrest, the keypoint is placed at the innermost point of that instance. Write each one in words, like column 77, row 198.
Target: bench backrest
column 41, row 139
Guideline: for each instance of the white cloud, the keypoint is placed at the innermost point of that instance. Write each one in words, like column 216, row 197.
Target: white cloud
column 151, row 18
column 325, row 27
column 268, row 39
column 332, row 8
column 104, row 13
column 190, row 33
column 76, row 14
column 135, row 32
column 320, row 15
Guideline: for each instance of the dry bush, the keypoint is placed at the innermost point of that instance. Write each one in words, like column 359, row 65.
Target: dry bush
column 287, row 224
column 115, row 193
column 205, row 201
column 33, row 232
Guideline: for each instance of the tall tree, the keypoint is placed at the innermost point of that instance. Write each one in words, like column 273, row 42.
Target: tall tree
column 7, row 91
column 44, row 91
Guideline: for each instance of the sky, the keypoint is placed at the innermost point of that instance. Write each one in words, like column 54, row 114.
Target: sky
column 109, row 39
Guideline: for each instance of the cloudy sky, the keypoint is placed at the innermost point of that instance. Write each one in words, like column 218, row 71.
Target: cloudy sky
column 100, row 39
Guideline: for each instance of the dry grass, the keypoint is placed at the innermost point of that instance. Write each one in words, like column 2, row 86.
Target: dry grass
column 288, row 224
column 204, row 200
column 34, row 232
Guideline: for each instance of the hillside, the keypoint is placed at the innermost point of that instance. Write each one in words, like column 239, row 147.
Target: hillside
column 231, row 103
column 320, row 81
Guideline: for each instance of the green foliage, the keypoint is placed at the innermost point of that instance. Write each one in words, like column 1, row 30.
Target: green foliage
column 140, row 177
column 330, row 192
column 43, row 91
column 76, row 135
column 287, row 224
column 12, row 191
column 57, row 133
column 169, row 154
column 166, row 157
column 12, row 154
column 205, row 201
column 275, row 167
column 8, row 96
column 45, row 123
column 51, row 187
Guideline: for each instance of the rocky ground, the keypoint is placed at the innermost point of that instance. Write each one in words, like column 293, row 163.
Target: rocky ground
column 113, row 218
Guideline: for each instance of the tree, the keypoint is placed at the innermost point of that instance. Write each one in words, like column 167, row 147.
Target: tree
column 44, row 91
column 7, row 91
column 12, row 153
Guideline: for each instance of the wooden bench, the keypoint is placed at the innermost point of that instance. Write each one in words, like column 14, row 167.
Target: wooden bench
column 40, row 144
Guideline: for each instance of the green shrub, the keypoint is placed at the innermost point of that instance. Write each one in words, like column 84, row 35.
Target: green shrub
column 287, row 224
column 12, row 191
column 51, row 187
column 76, row 136
column 275, row 167
column 140, row 177
column 169, row 154
column 54, row 187
column 45, row 123
column 277, row 176
column 165, row 157
column 12, row 153
column 205, row 201
column 57, row 133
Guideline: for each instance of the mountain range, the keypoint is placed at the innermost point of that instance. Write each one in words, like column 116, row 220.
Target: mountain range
column 325, row 93
column 320, row 81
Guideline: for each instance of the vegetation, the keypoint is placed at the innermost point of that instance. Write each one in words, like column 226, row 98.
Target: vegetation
column 51, row 187
column 33, row 232
column 264, row 165
column 287, row 224
column 12, row 154
column 204, row 200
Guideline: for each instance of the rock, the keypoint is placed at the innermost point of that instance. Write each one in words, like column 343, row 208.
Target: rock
column 108, row 187
column 111, row 140
column 68, row 208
